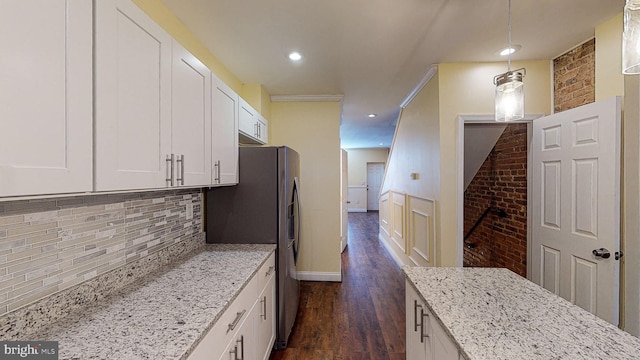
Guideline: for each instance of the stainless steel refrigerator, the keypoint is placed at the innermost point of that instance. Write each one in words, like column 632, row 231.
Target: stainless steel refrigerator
column 264, row 208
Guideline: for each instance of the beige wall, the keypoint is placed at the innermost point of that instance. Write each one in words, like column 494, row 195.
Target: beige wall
column 357, row 161
column 313, row 130
column 609, row 78
column 416, row 149
column 258, row 97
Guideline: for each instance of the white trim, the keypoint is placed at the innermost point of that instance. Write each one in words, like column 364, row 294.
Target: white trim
column 358, row 186
column 484, row 119
column 490, row 119
column 357, row 210
column 393, row 254
column 319, row 276
column 433, row 70
column 306, row 98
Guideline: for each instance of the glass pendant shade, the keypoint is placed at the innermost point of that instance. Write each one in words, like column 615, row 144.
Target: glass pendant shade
column 509, row 96
column 631, row 38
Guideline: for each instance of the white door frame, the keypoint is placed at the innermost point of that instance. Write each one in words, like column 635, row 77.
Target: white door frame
column 489, row 119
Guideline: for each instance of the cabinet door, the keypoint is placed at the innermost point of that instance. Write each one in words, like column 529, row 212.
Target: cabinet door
column 443, row 347
column 190, row 118
column 248, row 124
column 418, row 343
column 224, row 132
column 263, row 129
column 266, row 322
column 45, row 97
column 132, row 98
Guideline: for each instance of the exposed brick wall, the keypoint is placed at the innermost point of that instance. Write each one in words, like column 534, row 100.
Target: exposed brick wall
column 574, row 77
column 501, row 182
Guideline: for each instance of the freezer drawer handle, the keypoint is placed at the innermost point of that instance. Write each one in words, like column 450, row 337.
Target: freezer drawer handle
column 235, row 322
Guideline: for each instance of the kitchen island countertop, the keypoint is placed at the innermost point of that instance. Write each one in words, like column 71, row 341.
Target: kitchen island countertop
column 165, row 314
column 494, row 314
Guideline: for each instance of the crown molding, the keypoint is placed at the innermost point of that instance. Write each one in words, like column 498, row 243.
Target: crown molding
column 433, row 70
column 307, row 98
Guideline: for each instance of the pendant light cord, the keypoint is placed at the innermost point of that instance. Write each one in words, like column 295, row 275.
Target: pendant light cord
column 509, row 40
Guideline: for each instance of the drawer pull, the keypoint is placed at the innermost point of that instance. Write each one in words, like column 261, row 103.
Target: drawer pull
column 263, row 301
column 270, row 271
column 235, row 322
column 241, row 342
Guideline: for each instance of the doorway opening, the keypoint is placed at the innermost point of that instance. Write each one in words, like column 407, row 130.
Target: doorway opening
column 495, row 204
column 493, row 208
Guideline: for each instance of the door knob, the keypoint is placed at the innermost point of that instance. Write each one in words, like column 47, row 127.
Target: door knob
column 602, row 252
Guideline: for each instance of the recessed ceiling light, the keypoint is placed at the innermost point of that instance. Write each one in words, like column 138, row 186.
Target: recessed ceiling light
column 295, row 56
column 372, row 115
column 509, row 50
column 381, row 144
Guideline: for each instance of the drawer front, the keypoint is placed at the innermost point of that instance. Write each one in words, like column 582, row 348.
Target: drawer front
column 265, row 273
column 228, row 325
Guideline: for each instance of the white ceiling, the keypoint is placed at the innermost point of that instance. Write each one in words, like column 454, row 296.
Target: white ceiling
column 375, row 52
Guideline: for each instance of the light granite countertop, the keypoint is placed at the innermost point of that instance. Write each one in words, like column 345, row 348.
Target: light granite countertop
column 495, row 314
column 164, row 315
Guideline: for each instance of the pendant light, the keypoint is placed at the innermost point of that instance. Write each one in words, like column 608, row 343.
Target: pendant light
column 631, row 38
column 509, row 89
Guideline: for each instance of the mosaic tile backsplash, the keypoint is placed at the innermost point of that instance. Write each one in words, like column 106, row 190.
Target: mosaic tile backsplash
column 49, row 245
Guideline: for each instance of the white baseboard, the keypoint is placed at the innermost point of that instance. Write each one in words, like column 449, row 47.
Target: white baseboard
column 319, row 276
column 391, row 252
column 357, row 210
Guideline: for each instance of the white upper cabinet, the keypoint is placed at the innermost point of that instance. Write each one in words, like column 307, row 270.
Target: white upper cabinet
column 132, row 98
column 45, row 97
column 252, row 126
column 190, row 119
column 263, row 129
column 224, row 133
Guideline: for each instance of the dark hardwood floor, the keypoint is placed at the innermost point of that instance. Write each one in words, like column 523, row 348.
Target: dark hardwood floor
column 361, row 318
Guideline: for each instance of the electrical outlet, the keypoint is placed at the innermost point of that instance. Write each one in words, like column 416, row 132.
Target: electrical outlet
column 189, row 211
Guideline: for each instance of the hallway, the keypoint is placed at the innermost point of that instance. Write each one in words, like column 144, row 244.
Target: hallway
column 361, row 318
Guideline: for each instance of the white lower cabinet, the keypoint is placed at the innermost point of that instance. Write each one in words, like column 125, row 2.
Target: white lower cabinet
column 246, row 330
column 266, row 324
column 426, row 339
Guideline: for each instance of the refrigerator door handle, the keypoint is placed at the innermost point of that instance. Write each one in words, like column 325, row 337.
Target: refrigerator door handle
column 296, row 193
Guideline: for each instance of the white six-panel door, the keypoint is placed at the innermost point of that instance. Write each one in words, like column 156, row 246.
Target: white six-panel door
column 133, row 98
column 190, row 118
column 576, row 205
column 45, row 97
